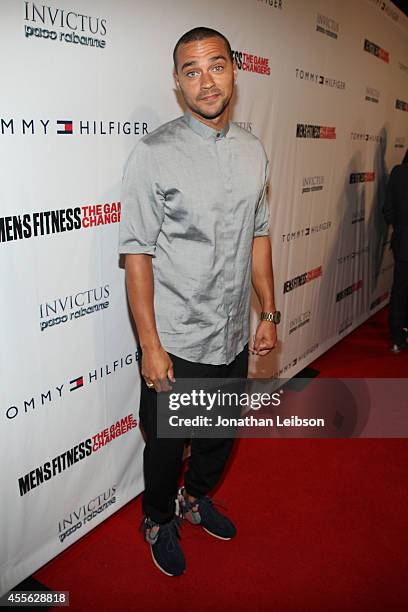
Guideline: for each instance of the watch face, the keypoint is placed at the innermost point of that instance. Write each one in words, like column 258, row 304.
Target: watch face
column 277, row 317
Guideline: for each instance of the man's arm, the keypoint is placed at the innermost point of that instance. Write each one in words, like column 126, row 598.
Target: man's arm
column 262, row 281
column 141, row 220
column 157, row 366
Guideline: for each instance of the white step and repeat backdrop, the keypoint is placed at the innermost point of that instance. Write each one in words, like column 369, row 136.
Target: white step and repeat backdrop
column 324, row 84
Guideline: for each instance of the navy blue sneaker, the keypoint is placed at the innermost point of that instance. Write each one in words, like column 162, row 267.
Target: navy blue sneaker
column 203, row 512
column 164, row 545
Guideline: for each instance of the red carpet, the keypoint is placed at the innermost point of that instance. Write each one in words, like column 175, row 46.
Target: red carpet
column 365, row 353
column 322, row 524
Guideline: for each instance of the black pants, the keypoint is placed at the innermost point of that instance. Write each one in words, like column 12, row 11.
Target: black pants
column 398, row 313
column 162, row 457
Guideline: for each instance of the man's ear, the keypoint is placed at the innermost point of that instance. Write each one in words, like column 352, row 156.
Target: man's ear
column 176, row 79
column 235, row 69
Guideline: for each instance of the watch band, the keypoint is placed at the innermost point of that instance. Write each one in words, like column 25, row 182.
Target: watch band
column 273, row 317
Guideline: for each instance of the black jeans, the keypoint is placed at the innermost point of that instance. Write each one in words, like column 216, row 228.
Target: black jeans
column 398, row 312
column 162, row 457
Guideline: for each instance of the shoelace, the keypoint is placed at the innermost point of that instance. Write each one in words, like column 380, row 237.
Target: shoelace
column 169, row 531
column 207, row 501
column 209, row 504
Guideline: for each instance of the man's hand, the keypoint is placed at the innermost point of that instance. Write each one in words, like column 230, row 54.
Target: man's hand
column 264, row 340
column 157, row 368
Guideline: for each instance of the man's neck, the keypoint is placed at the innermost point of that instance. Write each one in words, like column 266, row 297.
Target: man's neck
column 218, row 123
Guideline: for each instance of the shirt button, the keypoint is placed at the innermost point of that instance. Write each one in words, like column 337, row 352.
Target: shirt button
column 218, row 134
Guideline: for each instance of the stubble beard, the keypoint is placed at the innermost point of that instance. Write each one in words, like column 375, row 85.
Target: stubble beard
column 214, row 114
column 211, row 114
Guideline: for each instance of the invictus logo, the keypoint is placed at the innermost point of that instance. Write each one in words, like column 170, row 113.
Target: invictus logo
column 374, row 49
column 372, row 95
column 62, row 25
column 299, row 321
column 319, row 79
column 245, row 125
column 11, row 126
column 82, row 515
column 348, row 322
column 251, row 63
column 312, row 183
column 72, row 307
column 304, row 130
column 327, row 26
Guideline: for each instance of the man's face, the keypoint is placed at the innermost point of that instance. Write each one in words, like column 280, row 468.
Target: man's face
column 205, row 76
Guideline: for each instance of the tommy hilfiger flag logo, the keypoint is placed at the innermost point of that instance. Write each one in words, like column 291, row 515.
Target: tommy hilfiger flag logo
column 76, row 383
column 65, row 126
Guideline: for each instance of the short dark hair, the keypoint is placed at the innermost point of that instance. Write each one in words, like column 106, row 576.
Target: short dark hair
column 405, row 160
column 200, row 33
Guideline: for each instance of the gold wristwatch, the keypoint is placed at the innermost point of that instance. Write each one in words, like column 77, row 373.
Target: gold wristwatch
column 273, row 317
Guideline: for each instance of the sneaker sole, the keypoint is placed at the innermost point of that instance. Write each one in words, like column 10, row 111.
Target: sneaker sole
column 210, row 532
column 215, row 535
column 161, row 569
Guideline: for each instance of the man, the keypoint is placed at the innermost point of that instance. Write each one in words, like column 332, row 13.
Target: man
column 194, row 227
column 396, row 214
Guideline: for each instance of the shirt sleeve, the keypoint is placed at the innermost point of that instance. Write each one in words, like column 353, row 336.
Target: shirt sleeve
column 262, row 209
column 142, row 203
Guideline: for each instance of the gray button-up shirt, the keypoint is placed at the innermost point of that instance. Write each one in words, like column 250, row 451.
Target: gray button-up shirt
column 194, row 198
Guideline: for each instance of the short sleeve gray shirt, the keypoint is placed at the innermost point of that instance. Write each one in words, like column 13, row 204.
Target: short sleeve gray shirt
column 194, row 199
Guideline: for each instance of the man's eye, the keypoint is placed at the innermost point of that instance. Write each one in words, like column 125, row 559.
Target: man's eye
column 192, row 73
column 218, row 68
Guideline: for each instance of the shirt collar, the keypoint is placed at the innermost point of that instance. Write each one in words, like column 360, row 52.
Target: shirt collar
column 204, row 130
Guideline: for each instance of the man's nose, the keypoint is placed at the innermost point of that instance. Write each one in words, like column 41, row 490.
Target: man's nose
column 206, row 80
